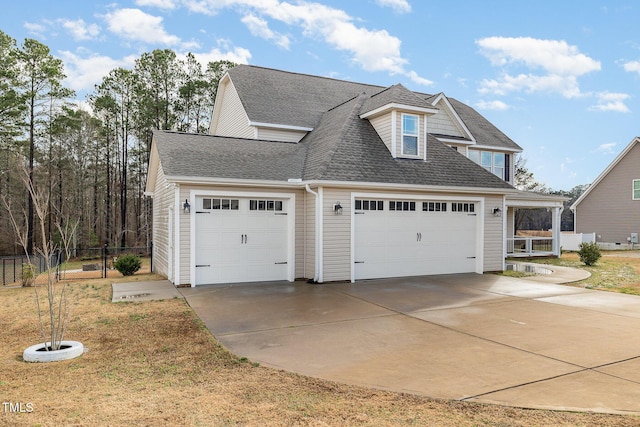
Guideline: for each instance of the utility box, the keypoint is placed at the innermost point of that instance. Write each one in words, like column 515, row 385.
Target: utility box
column 634, row 238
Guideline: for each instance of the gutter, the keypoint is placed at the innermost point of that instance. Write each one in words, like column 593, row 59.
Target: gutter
column 316, row 273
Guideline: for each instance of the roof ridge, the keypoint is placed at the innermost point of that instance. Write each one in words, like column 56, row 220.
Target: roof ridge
column 331, row 143
column 311, row 75
column 354, row 113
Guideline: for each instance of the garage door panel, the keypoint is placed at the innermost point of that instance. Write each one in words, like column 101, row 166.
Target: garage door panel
column 242, row 244
column 407, row 243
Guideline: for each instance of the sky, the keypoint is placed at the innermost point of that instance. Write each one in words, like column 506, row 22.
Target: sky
column 560, row 78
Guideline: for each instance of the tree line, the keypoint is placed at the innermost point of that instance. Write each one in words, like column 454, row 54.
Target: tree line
column 88, row 162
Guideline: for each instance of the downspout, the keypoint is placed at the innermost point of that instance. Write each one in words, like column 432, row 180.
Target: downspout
column 316, row 272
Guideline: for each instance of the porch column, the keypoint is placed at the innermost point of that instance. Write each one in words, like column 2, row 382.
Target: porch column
column 555, row 227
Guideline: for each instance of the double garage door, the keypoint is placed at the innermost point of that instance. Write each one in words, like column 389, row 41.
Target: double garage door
column 400, row 237
column 240, row 239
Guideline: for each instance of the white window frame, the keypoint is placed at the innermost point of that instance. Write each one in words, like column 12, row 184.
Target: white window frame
column 634, row 189
column 415, row 135
column 477, row 157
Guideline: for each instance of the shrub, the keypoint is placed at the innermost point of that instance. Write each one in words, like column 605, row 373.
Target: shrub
column 589, row 253
column 127, row 265
column 27, row 274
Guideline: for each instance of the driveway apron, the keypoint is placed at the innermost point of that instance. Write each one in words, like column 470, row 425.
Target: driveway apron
column 482, row 338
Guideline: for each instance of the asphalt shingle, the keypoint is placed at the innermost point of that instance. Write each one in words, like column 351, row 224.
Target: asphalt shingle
column 341, row 147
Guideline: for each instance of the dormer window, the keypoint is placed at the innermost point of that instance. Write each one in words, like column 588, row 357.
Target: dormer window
column 410, row 125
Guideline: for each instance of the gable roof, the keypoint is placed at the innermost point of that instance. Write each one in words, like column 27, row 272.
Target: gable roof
column 604, row 173
column 397, row 96
column 342, row 148
column 292, row 99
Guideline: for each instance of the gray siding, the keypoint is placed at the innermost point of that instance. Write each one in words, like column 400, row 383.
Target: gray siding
column 382, row 125
column 609, row 209
column 285, row 135
column 234, row 121
column 337, row 236
column 162, row 197
column 493, row 235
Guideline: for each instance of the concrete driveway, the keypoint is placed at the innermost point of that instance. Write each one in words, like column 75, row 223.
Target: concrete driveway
column 481, row 338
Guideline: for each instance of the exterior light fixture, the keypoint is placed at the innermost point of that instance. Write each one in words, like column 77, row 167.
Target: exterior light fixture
column 186, row 207
column 337, row 209
column 497, row 211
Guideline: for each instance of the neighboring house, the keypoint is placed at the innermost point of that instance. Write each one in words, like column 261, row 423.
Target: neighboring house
column 306, row 177
column 610, row 207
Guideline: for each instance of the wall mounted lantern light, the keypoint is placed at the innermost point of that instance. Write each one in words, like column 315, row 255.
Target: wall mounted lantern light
column 337, row 209
column 186, row 207
column 497, row 211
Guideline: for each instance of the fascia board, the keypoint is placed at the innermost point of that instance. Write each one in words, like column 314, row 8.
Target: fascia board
column 339, row 184
column 396, row 106
column 280, row 126
column 493, row 148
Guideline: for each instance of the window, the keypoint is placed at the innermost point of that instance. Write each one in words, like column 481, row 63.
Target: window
column 463, row 207
column 497, row 163
column 369, row 205
column 224, row 204
column 636, row 189
column 410, row 134
column 265, row 205
column 402, row 205
column 434, row 206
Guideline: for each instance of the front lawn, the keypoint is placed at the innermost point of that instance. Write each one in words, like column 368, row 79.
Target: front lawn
column 617, row 271
column 154, row 363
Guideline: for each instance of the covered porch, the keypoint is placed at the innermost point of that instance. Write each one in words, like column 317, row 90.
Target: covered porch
column 544, row 242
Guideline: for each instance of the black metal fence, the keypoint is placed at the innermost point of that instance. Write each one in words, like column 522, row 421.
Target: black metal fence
column 14, row 268
column 85, row 263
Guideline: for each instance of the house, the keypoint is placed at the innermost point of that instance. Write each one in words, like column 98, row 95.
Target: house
column 306, row 177
column 610, row 207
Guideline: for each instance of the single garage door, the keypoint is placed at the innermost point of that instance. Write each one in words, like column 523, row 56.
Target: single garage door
column 240, row 240
column 400, row 237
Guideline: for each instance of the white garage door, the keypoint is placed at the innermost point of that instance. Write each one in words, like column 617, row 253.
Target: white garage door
column 400, row 237
column 240, row 240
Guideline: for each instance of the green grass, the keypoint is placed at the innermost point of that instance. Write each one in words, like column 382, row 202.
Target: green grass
column 613, row 272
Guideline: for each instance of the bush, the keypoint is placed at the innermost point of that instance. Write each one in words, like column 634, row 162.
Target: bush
column 589, row 253
column 28, row 274
column 127, row 265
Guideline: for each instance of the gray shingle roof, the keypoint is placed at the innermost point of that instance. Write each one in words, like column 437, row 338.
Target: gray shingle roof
column 342, row 147
column 394, row 94
column 286, row 98
column 198, row 155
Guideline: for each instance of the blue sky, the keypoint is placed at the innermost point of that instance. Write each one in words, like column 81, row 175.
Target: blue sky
column 560, row 78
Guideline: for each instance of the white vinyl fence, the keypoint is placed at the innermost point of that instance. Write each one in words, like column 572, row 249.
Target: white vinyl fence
column 571, row 241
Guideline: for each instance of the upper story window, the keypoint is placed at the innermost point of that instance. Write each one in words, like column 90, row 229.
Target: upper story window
column 497, row 163
column 410, row 126
column 636, row 189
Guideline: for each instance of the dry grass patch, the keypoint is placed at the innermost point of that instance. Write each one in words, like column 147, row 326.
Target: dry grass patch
column 154, row 363
column 616, row 271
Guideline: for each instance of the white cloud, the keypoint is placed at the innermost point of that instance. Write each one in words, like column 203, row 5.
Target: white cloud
column 558, row 64
column 632, row 67
column 608, row 101
column 607, row 148
column 80, row 30
column 492, row 105
column 238, row 55
column 36, row 29
column 372, row 50
column 83, row 73
column 134, row 24
column 260, row 28
column 399, row 6
column 160, row 4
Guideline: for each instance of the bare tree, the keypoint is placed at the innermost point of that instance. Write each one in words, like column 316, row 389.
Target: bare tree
column 54, row 317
